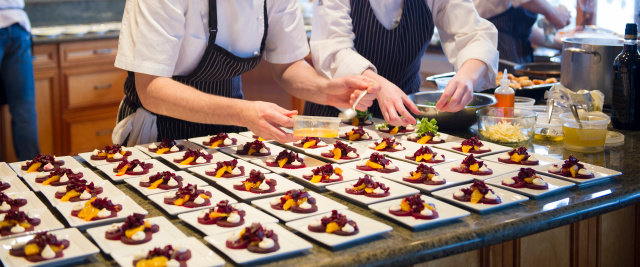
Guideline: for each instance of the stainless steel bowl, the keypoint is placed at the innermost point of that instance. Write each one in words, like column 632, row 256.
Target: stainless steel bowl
column 460, row 120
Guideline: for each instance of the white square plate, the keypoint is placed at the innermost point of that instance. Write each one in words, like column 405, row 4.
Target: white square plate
column 16, row 184
column 555, row 185
column 252, row 215
column 250, row 134
column 328, row 141
column 368, row 227
column 601, row 173
column 289, row 244
column 403, row 166
column 508, row 198
column 128, row 207
column 47, row 222
column 309, row 162
column 240, row 140
column 69, row 163
column 167, row 233
column 446, row 212
column 170, row 157
column 135, row 154
column 145, row 148
column 282, row 187
column 157, row 167
column 33, row 202
column 217, row 157
column 375, row 135
column 232, row 151
column 497, row 168
column 186, row 179
column 361, row 147
column 495, row 148
column 323, row 203
column 87, row 174
column 79, row 248
column 443, row 136
column 544, row 160
column 413, row 147
column 396, row 190
column 201, row 255
column 347, row 175
column 5, row 170
column 109, row 190
column 450, row 178
column 216, row 196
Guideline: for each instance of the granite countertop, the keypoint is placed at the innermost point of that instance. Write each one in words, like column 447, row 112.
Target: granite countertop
column 402, row 246
column 71, row 38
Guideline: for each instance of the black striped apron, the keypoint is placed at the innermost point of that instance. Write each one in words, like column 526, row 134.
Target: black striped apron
column 396, row 53
column 217, row 73
column 514, row 30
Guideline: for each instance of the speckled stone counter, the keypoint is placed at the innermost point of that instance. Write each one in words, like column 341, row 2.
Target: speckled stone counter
column 403, row 246
column 72, row 38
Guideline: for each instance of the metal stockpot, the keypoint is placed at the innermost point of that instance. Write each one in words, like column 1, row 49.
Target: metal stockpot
column 587, row 63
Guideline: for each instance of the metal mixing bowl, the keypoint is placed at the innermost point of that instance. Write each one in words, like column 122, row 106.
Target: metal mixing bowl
column 460, row 120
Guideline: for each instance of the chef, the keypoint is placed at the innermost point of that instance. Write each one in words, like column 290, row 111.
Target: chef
column 515, row 19
column 386, row 39
column 185, row 58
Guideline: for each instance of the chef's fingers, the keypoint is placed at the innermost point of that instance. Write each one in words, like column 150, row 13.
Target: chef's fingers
column 409, row 103
column 364, row 104
column 281, row 136
column 454, row 103
column 407, row 118
column 446, row 94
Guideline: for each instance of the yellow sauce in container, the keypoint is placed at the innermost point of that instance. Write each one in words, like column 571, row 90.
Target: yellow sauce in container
column 316, row 132
column 313, row 126
column 588, row 139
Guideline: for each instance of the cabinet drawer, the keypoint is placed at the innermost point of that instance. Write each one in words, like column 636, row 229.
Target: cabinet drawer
column 45, row 56
column 88, row 52
column 91, row 88
column 88, row 133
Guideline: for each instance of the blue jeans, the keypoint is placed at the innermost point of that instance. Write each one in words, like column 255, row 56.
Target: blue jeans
column 17, row 85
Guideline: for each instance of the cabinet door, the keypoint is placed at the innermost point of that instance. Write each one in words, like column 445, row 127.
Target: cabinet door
column 86, row 131
column 92, row 87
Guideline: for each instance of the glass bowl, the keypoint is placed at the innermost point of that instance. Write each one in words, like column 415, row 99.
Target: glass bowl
column 314, row 126
column 512, row 127
column 588, row 139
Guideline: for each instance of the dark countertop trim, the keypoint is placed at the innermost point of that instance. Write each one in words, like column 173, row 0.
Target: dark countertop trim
column 72, row 38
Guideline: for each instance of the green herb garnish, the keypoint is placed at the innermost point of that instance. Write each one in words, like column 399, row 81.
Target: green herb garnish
column 425, row 126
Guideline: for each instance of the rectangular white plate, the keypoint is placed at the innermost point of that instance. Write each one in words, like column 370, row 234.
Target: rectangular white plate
column 217, row 157
column 171, row 157
column 252, row 215
column 368, row 227
column 128, row 207
column 347, row 175
column 508, row 198
column 167, row 233
column 443, row 136
column 282, row 187
column 361, row 147
column 157, row 167
column 145, row 148
column 16, row 184
column 289, row 244
column 135, row 154
column 446, row 212
column 69, row 163
column 323, row 203
column 495, row 148
column 186, row 179
column 47, row 222
column 555, row 185
column 451, row 179
column 240, row 140
column 87, row 173
column 375, row 135
column 413, row 147
column 232, row 151
column 79, row 248
column 201, row 255
column 109, row 190
column 396, row 190
column 544, row 160
column 601, row 173
column 309, row 162
column 216, row 196
column 33, row 202
column 497, row 168
column 328, row 143
column 250, row 135
column 5, row 170
column 403, row 166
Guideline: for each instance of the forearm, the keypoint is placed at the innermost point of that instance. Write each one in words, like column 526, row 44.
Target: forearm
column 300, row 80
column 472, row 70
column 167, row 97
column 539, row 6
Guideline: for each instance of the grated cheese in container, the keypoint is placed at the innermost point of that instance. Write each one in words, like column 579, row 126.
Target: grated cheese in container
column 504, row 132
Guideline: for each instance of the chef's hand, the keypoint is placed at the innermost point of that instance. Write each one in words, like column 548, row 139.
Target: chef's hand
column 457, row 94
column 560, row 17
column 342, row 92
column 263, row 118
column 392, row 100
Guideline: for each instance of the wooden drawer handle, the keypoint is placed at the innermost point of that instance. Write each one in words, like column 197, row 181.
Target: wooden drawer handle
column 102, row 51
column 104, row 132
column 103, row 86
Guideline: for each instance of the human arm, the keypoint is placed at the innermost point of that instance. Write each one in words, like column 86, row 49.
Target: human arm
column 537, row 38
column 459, row 91
column 559, row 16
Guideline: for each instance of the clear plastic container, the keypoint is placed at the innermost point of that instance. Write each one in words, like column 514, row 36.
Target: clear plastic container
column 547, row 130
column 313, row 126
column 588, row 139
column 514, row 131
column 521, row 101
column 442, row 83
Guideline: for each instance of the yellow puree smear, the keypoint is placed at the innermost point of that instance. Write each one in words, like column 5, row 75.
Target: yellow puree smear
column 504, row 132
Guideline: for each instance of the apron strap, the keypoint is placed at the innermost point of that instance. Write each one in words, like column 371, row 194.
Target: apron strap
column 213, row 21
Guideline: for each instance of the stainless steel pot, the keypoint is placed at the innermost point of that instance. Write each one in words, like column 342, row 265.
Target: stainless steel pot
column 587, row 63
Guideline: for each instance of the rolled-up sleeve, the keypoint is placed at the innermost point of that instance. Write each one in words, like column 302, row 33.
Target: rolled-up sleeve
column 287, row 39
column 332, row 47
column 464, row 35
column 151, row 35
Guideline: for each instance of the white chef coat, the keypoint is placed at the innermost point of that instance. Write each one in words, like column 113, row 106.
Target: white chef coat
column 490, row 8
column 464, row 35
column 169, row 37
column 11, row 13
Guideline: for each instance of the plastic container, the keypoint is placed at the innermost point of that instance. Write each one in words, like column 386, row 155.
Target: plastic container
column 588, row 139
column 545, row 130
column 313, row 126
column 442, row 83
column 521, row 101
column 515, row 130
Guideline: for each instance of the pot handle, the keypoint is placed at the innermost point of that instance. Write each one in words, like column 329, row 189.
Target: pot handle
column 574, row 50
